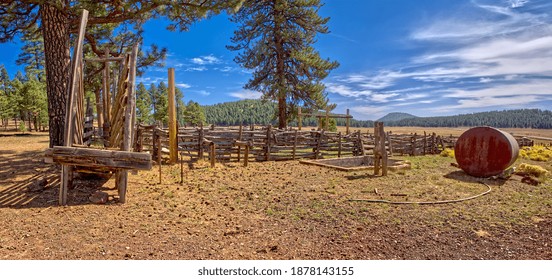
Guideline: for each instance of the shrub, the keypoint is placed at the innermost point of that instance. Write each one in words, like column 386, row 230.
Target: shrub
column 536, row 153
column 447, row 153
column 22, row 126
column 533, row 170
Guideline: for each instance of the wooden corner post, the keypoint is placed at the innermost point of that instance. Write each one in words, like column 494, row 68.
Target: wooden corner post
column 173, row 145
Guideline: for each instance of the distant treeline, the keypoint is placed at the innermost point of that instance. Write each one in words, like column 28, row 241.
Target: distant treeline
column 264, row 112
column 523, row 118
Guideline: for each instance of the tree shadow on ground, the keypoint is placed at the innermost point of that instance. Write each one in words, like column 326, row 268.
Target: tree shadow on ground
column 27, row 182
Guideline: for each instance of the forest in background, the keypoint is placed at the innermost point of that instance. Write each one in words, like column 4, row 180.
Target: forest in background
column 264, row 112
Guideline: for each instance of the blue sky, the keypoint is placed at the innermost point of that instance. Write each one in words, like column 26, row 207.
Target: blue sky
column 422, row 57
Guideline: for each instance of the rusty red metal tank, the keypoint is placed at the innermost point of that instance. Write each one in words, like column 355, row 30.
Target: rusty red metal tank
column 485, row 151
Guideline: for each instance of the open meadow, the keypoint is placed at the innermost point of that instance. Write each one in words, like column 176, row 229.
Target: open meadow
column 272, row 210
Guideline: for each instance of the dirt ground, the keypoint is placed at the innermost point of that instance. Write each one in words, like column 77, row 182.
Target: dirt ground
column 269, row 210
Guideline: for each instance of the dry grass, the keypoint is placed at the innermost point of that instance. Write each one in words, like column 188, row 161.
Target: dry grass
column 271, row 210
column 536, row 153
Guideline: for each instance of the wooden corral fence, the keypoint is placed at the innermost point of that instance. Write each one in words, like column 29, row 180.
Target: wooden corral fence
column 266, row 143
column 114, row 155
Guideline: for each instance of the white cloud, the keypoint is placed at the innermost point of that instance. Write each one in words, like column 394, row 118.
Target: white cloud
column 484, row 21
column 183, row 85
column 345, row 90
column 226, row 69
column 412, row 96
column 382, row 97
column 523, row 94
column 196, row 69
column 509, row 102
column 246, row 94
column 206, row 60
column 382, row 79
column 517, row 3
column 532, row 87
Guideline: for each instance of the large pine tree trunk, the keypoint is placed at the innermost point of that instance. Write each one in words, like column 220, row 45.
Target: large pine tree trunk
column 280, row 67
column 55, row 29
column 282, row 115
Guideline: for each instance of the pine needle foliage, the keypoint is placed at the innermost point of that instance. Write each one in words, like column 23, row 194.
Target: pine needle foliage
column 275, row 39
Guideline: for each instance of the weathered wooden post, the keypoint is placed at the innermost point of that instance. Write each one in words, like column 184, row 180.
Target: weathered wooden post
column 201, row 134
column 240, row 134
column 347, row 122
column 99, row 110
column 318, row 143
column 413, row 144
column 106, row 100
column 388, row 136
column 173, row 133
column 213, row 154
column 294, row 144
column 380, row 153
column 327, row 118
column 425, row 144
column 360, row 144
column 122, row 175
column 299, row 121
column 159, row 157
column 106, row 89
column 339, row 144
column 246, row 156
column 268, row 141
column 67, row 170
column 432, row 143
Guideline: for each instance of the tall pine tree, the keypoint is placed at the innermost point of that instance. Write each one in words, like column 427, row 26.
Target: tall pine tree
column 32, row 53
column 180, row 106
column 161, row 104
column 143, row 105
column 275, row 39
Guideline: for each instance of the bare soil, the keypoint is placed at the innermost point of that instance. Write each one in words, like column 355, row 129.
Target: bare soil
column 269, row 210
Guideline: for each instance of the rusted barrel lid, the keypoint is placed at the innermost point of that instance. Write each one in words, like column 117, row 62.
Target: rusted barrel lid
column 485, row 151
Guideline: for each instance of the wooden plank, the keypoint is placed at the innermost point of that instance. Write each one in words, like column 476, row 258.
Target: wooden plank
column 106, row 91
column 99, row 158
column 66, row 173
